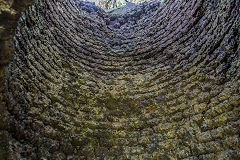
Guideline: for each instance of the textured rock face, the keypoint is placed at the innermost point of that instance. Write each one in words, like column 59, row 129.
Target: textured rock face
column 160, row 81
column 9, row 14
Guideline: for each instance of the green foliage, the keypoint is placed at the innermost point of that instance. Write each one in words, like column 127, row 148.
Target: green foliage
column 119, row 4
column 109, row 4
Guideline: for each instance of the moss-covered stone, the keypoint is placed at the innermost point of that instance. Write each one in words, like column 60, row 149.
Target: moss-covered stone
column 159, row 81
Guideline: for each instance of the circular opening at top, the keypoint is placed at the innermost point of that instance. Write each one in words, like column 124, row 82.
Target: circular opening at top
column 110, row 4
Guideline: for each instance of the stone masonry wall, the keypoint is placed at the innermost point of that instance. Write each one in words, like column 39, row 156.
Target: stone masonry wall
column 9, row 15
column 155, row 81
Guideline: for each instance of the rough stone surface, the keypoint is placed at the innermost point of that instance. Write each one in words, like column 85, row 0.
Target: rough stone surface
column 160, row 81
column 9, row 15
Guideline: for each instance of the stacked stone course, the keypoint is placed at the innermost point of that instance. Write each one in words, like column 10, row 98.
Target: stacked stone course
column 160, row 81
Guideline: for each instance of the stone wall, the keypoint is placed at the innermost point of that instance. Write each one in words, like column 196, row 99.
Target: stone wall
column 9, row 14
column 160, row 81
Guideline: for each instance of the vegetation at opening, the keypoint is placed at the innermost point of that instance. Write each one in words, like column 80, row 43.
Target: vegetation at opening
column 109, row 4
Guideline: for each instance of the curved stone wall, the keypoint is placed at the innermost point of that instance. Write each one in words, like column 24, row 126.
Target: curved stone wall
column 9, row 15
column 156, row 81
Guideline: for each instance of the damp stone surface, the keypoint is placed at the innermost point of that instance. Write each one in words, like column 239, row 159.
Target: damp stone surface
column 159, row 80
